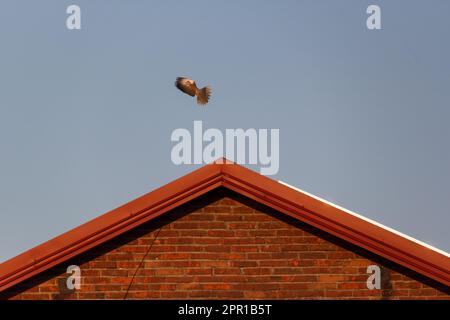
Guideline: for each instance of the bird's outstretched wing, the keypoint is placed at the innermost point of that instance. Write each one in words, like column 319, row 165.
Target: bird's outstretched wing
column 186, row 85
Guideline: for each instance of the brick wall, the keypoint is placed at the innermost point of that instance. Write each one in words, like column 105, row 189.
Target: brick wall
column 225, row 246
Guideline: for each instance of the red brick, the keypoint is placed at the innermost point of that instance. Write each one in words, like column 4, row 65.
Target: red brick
column 227, row 250
column 227, row 271
column 205, row 240
column 217, row 209
column 201, row 217
column 331, row 278
column 216, row 286
column 199, row 271
column 189, row 249
column 165, row 272
column 242, row 209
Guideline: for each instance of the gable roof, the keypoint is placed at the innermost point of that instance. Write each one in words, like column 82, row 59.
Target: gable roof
column 344, row 224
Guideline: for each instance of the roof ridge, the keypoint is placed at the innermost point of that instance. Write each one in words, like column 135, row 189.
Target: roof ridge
column 379, row 224
column 286, row 199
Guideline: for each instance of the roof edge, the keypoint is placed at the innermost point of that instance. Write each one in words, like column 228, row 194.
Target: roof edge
column 369, row 220
column 109, row 225
column 295, row 203
column 338, row 222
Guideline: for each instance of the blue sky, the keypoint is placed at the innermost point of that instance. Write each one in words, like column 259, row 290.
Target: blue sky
column 86, row 116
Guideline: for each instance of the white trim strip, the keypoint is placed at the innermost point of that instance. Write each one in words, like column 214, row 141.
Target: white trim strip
column 368, row 220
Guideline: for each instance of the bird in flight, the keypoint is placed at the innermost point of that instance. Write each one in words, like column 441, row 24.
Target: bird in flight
column 189, row 87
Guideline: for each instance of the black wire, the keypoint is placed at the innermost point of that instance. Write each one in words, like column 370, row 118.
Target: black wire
column 142, row 261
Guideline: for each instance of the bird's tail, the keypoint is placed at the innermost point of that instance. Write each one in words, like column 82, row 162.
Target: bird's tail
column 203, row 95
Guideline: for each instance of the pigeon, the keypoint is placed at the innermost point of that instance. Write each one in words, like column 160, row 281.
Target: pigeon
column 189, row 87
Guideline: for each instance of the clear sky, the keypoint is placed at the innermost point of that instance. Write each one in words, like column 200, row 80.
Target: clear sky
column 86, row 116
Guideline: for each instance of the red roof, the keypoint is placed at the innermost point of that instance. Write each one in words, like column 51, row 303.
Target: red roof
column 304, row 207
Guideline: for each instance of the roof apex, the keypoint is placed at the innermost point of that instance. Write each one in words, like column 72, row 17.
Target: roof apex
column 224, row 173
